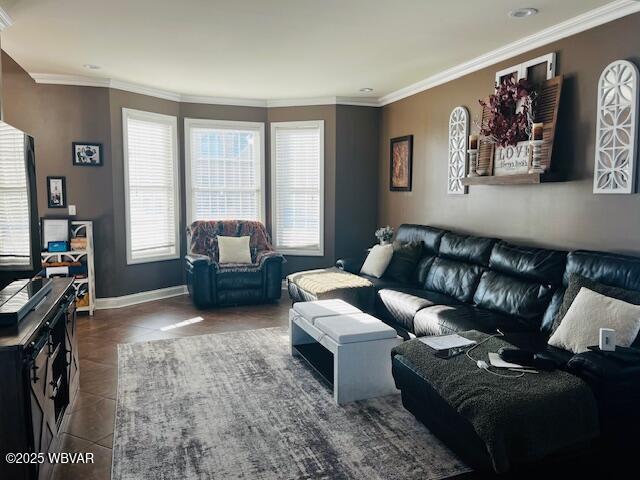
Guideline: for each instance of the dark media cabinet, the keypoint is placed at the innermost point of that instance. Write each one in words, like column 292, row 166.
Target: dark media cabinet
column 40, row 376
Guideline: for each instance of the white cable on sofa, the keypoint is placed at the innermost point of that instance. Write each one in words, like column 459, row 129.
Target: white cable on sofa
column 484, row 365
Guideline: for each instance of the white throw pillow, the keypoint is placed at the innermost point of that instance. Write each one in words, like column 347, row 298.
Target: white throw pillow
column 377, row 261
column 591, row 311
column 233, row 250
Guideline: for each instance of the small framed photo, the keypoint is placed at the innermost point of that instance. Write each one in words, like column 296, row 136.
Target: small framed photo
column 87, row 154
column 401, row 164
column 56, row 192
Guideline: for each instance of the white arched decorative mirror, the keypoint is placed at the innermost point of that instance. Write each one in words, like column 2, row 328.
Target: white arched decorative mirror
column 458, row 134
column 616, row 129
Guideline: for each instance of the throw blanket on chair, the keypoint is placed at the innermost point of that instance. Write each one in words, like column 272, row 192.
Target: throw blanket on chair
column 204, row 241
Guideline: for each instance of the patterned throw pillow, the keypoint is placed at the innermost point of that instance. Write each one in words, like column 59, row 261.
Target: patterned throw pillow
column 404, row 261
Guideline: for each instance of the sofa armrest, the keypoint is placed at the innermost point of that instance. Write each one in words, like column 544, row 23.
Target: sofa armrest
column 351, row 265
column 197, row 260
column 620, row 366
column 201, row 286
column 616, row 387
column 272, row 268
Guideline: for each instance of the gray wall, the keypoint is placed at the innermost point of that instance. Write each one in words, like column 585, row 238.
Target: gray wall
column 138, row 277
column 566, row 214
column 58, row 115
column 356, row 178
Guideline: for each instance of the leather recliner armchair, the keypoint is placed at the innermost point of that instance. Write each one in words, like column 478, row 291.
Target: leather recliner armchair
column 211, row 283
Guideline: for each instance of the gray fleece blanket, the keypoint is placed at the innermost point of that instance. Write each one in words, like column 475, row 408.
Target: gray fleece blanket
column 518, row 419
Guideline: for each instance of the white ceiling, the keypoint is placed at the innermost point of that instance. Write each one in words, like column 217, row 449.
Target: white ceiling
column 268, row 49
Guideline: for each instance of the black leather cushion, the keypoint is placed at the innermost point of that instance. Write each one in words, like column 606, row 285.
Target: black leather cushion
column 424, row 265
column 445, row 319
column 429, row 236
column 238, row 280
column 453, row 278
column 402, row 307
column 616, row 270
column 576, row 282
column 241, row 296
column 404, row 261
column 506, row 294
column 536, row 264
column 434, row 297
column 466, row 248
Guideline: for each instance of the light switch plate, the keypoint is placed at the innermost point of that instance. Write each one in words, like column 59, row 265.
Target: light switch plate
column 72, row 209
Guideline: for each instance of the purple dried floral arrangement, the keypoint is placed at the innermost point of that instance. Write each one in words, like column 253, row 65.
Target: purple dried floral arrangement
column 508, row 124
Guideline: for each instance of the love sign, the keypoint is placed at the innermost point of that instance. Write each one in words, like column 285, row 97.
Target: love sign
column 511, row 160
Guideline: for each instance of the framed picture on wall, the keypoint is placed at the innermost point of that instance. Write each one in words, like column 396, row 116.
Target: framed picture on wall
column 56, row 192
column 401, row 164
column 87, row 154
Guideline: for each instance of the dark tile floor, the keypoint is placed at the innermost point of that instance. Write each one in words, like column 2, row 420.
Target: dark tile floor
column 89, row 427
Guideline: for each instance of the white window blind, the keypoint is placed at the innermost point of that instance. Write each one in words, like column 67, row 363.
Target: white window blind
column 15, row 240
column 151, row 186
column 297, row 172
column 225, row 165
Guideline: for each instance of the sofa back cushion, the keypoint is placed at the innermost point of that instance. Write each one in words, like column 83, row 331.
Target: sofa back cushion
column 466, row 248
column 521, row 281
column 534, row 264
column 513, row 296
column 456, row 279
column 611, row 269
column 459, row 266
column 429, row 236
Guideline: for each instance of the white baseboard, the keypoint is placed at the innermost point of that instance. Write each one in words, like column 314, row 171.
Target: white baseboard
column 141, row 297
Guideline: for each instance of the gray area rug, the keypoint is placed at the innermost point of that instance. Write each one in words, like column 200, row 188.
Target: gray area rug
column 237, row 405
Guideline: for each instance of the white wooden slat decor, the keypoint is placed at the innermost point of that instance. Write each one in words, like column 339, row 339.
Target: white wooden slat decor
column 616, row 129
column 458, row 134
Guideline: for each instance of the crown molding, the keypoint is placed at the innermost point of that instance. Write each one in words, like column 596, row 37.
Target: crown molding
column 240, row 102
column 143, row 90
column 592, row 18
column 76, row 80
column 84, row 81
column 5, row 19
column 305, row 102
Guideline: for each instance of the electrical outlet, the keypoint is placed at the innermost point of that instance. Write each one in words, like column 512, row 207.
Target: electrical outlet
column 72, row 209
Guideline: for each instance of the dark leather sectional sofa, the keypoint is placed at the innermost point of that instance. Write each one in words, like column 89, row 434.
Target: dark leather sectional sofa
column 473, row 283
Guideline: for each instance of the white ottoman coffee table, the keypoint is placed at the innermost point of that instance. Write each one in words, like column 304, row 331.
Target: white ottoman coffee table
column 349, row 348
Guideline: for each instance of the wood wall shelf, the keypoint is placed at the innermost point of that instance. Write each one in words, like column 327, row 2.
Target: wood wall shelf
column 520, row 179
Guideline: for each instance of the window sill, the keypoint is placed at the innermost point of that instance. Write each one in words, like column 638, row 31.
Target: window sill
column 294, row 252
column 163, row 258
